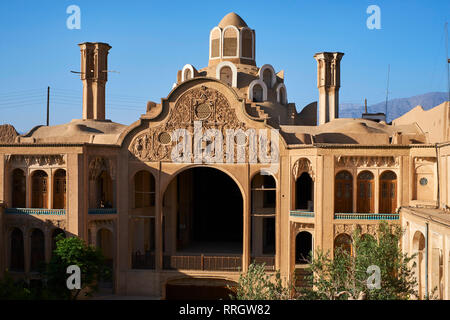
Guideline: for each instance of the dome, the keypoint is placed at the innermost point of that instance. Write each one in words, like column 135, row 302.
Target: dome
column 232, row 19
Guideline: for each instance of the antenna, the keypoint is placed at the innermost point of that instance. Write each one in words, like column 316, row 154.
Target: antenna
column 387, row 91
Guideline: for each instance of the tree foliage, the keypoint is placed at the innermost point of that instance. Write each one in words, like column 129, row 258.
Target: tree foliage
column 74, row 251
column 257, row 284
column 345, row 275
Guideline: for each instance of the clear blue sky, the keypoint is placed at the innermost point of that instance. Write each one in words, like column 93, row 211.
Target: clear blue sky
column 151, row 40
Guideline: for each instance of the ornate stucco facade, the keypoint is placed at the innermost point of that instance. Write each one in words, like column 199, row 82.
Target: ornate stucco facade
column 192, row 192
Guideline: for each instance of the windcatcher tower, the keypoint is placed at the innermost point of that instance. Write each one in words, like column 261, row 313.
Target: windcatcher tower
column 94, row 66
column 328, row 82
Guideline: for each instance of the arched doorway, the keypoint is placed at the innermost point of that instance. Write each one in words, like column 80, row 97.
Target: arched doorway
column 419, row 249
column 59, row 189
column 205, row 217
column 388, row 192
column 303, row 247
column 343, row 193
column 105, row 242
column 39, row 189
column 365, row 200
column 37, row 246
column 18, row 189
column 257, row 93
column 17, row 261
column 267, row 78
column 343, row 242
column 226, row 75
column 304, row 192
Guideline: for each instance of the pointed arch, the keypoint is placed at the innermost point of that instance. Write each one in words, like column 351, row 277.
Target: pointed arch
column 272, row 78
column 215, row 43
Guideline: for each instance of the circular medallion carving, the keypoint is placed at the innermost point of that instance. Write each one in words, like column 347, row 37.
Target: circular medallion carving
column 203, row 111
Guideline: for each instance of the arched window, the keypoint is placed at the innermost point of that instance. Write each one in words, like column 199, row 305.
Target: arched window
column 104, row 190
column 215, row 43
column 419, row 250
column 388, row 192
column 263, row 214
column 144, row 189
column 187, row 74
column 226, row 75
column 303, row 247
column 365, row 192
column 230, row 37
column 343, row 193
column 257, row 93
column 37, row 247
column 18, row 189
column 267, row 78
column 247, row 43
column 304, row 192
column 39, row 190
column 17, row 251
column 59, row 189
column 55, row 234
column 344, row 242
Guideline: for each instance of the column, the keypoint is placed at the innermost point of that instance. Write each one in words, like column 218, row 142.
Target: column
column 158, row 223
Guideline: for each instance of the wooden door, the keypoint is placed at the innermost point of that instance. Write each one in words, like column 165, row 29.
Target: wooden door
column 343, row 193
column 19, row 187
column 365, row 194
column 40, row 190
column 388, row 192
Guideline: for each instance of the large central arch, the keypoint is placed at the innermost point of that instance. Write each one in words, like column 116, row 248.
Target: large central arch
column 203, row 207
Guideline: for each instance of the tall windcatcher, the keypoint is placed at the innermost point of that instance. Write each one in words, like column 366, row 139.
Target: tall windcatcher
column 328, row 82
column 94, row 66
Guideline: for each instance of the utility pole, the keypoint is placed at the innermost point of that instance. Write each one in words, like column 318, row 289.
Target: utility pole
column 48, row 104
column 448, row 60
column 387, row 91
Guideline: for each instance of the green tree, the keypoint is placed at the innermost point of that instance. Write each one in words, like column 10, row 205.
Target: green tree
column 257, row 284
column 345, row 275
column 74, row 251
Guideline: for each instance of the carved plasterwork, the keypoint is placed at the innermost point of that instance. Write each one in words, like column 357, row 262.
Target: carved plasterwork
column 198, row 104
column 350, row 228
column 296, row 227
column 420, row 161
column 99, row 164
column 366, row 161
column 38, row 160
column 302, row 165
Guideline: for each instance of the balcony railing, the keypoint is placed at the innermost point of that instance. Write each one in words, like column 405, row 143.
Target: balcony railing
column 103, row 211
column 202, row 262
column 366, row 216
column 37, row 211
column 302, row 214
column 143, row 261
column 269, row 262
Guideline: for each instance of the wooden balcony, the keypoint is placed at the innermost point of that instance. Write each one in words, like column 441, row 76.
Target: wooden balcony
column 268, row 261
column 203, row 262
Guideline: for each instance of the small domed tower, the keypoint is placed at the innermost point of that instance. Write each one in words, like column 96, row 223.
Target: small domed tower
column 232, row 40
